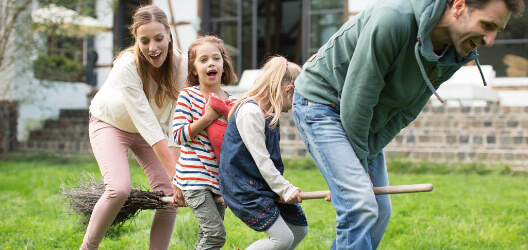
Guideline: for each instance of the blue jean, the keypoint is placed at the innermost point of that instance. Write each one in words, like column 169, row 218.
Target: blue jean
column 362, row 217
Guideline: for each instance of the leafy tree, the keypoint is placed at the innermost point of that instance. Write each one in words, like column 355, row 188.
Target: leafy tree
column 15, row 25
column 10, row 11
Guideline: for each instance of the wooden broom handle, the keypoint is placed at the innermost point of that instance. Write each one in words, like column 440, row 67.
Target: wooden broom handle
column 377, row 190
column 414, row 188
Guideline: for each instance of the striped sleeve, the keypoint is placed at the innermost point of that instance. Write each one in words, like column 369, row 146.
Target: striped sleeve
column 183, row 117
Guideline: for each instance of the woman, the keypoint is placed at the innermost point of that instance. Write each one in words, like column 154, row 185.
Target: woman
column 132, row 110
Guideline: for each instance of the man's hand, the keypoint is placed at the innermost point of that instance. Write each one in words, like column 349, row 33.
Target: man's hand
column 177, row 197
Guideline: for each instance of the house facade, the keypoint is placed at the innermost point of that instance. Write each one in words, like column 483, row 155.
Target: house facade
column 251, row 30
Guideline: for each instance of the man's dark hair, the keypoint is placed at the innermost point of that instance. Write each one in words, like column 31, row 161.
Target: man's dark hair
column 515, row 6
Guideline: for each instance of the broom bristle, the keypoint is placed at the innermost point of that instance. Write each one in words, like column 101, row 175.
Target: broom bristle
column 83, row 197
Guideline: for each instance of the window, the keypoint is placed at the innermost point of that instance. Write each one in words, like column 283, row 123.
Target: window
column 123, row 38
column 323, row 19
column 252, row 30
column 509, row 53
column 64, row 57
column 63, row 60
column 224, row 20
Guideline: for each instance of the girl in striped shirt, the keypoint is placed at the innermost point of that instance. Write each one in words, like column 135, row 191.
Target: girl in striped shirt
column 197, row 167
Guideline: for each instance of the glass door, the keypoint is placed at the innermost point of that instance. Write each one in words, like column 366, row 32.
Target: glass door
column 322, row 18
column 253, row 30
column 223, row 18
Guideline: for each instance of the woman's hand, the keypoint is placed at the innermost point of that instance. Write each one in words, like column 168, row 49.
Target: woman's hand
column 177, row 197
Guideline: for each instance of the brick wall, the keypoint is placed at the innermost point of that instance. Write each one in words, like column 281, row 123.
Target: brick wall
column 492, row 134
column 68, row 134
column 8, row 126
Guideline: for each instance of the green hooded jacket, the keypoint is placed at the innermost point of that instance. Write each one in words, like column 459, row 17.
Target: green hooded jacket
column 380, row 69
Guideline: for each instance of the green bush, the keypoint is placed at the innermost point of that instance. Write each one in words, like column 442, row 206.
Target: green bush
column 58, row 68
column 406, row 166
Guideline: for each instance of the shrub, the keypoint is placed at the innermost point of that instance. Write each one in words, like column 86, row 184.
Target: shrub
column 58, row 68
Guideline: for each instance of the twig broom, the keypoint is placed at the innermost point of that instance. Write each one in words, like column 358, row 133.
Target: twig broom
column 86, row 193
column 83, row 197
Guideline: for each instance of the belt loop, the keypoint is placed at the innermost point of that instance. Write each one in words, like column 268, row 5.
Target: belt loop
column 305, row 101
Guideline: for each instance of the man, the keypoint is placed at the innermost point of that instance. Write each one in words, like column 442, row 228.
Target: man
column 370, row 80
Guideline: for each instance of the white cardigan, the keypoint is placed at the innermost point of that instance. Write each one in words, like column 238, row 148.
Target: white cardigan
column 121, row 101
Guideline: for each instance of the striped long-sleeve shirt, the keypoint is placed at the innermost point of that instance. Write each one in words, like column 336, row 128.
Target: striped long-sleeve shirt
column 197, row 167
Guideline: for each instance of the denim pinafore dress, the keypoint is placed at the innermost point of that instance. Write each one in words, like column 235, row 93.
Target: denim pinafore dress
column 244, row 189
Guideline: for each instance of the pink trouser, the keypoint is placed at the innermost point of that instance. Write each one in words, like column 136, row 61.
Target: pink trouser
column 110, row 147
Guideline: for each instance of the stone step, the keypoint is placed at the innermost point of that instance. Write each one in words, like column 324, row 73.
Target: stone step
column 74, row 122
column 72, row 147
column 60, row 134
column 74, row 113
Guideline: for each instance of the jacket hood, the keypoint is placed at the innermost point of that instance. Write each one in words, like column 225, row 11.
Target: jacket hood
column 427, row 13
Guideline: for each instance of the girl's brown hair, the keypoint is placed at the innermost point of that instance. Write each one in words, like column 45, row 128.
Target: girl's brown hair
column 268, row 86
column 167, row 87
column 228, row 76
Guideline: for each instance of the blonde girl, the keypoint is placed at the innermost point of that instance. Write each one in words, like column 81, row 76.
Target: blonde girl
column 131, row 111
column 197, row 168
column 251, row 170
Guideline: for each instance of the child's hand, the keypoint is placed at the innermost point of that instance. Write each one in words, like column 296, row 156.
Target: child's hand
column 328, row 197
column 177, row 197
column 209, row 113
column 295, row 197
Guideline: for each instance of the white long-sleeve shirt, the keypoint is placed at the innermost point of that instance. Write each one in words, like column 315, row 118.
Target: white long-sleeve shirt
column 251, row 123
column 121, row 101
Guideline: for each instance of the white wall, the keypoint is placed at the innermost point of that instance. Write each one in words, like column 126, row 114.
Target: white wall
column 103, row 42
column 355, row 6
column 512, row 97
column 466, row 88
column 38, row 102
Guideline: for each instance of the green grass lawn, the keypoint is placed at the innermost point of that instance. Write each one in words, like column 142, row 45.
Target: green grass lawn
column 463, row 212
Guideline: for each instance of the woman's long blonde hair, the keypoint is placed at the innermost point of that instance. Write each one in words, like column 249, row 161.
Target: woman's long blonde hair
column 268, row 86
column 168, row 85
